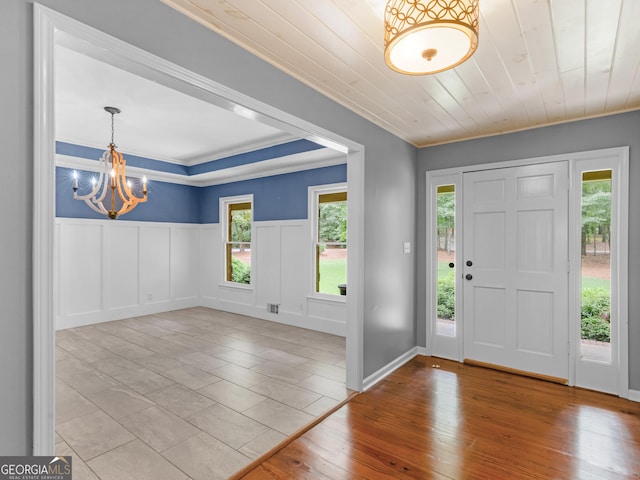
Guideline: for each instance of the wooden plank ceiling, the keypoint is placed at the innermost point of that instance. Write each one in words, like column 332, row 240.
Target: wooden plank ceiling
column 539, row 62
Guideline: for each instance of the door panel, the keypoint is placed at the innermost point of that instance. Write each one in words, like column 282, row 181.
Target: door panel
column 515, row 290
column 489, row 328
column 489, row 255
column 489, row 191
column 535, row 322
column 535, row 241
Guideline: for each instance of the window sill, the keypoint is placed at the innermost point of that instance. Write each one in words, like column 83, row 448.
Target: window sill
column 328, row 298
column 239, row 286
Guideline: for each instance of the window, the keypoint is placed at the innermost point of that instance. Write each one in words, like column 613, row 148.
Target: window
column 238, row 214
column 595, row 251
column 445, row 251
column 330, row 239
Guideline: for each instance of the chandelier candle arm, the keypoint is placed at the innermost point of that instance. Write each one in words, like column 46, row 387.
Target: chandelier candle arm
column 91, row 199
column 112, row 180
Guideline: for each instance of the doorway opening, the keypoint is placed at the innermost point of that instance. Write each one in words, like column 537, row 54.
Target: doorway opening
column 50, row 27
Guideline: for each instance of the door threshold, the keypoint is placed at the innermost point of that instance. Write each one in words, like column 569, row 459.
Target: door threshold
column 524, row 373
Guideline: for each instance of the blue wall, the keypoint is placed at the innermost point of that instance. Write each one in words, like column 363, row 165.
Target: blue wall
column 167, row 202
column 90, row 153
column 280, row 197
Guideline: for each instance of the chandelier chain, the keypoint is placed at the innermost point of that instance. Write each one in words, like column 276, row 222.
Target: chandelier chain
column 112, row 129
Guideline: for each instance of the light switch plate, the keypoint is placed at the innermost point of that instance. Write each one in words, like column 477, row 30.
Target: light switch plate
column 407, row 247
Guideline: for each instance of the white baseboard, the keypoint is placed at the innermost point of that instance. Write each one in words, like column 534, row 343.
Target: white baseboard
column 287, row 318
column 634, row 395
column 422, row 351
column 101, row 316
column 375, row 377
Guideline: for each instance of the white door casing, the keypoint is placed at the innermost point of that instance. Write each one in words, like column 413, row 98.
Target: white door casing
column 516, row 288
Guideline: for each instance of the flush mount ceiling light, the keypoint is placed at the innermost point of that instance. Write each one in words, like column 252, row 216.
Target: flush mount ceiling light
column 429, row 36
column 112, row 183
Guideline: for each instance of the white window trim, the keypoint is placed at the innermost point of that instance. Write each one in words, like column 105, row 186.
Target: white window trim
column 224, row 204
column 314, row 192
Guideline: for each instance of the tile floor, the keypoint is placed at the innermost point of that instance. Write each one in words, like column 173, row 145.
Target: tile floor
column 191, row 394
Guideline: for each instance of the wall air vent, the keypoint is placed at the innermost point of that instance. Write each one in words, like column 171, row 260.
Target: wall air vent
column 273, row 308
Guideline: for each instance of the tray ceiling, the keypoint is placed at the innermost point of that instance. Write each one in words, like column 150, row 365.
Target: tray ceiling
column 156, row 121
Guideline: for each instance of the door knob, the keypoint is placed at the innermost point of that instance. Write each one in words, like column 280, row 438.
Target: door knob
column 468, row 276
column 451, row 265
column 469, row 263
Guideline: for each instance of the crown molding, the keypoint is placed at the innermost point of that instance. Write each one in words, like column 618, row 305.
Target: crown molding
column 277, row 166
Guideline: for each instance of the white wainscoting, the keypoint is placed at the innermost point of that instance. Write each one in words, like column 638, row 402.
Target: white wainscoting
column 210, row 262
column 110, row 270
column 281, row 276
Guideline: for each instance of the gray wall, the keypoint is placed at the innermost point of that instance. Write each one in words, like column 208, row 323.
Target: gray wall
column 15, row 235
column 390, row 166
column 613, row 131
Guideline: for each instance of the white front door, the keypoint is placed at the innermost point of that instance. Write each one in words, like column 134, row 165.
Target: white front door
column 515, row 268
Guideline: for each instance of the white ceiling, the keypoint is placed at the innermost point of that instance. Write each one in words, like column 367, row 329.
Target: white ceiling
column 156, row 121
column 539, row 62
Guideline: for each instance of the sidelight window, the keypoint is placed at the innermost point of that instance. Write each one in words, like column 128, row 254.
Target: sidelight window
column 595, row 252
column 446, row 248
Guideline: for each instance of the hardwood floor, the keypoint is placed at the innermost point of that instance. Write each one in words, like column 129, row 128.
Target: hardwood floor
column 436, row 419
